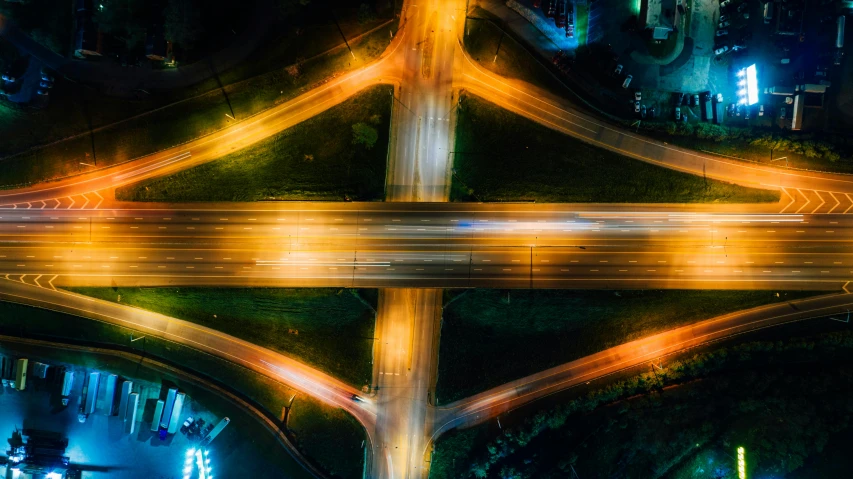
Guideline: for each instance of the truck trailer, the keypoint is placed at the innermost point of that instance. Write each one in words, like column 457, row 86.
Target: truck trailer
column 175, row 419
column 126, row 387
column 91, row 397
column 132, row 407
column 158, row 413
column 709, row 111
column 167, row 408
column 215, row 432
column 110, row 394
column 67, row 384
column 21, row 374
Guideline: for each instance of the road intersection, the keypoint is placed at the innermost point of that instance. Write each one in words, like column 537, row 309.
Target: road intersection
column 74, row 232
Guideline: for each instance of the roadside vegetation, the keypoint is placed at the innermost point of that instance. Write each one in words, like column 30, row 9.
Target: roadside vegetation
column 784, row 401
column 327, row 435
column 814, row 151
column 502, row 335
column 500, row 156
column 497, row 52
column 330, row 329
column 290, row 61
column 337, row 155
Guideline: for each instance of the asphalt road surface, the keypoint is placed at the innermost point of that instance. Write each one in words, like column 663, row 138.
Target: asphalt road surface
column 429, row 248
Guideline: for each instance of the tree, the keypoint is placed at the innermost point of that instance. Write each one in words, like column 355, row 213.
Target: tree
column 123, row 20
column 365, row 14
column 183, row 23
column 364, row 134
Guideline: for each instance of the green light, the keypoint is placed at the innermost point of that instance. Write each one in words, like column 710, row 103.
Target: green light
column 741, row 463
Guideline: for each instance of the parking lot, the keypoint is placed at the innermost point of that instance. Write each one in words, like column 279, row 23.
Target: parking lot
column 102, row 444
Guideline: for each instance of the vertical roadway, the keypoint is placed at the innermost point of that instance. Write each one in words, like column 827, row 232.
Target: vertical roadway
column 418, row 170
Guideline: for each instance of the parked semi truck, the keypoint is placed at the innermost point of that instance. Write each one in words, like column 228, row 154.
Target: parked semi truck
column 91, row 397
column 67, row 384
column 21, row 374
column 174, row 421
column 719, row 112
column 158, row 413
column 706, row 101
column 215, row 431
column 171, row 396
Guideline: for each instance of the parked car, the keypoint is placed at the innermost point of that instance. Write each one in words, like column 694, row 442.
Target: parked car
column 677, row 113
column 627, row 81
column 723, row 24
column 652, row 112
column 636, row 106
column 742, row 7
column 695, row 100
column 8, row 78
column 42, row 92
column 617, row 70
column 643, row 112
column 723, row 18
column 45, row 84
column 730, row 110
column 187, row 423
column 760, row 110
column 719, row 97
column 782, row 113
column 721, row 33
column 721, row 50
column 638, row 95
column 725, row 3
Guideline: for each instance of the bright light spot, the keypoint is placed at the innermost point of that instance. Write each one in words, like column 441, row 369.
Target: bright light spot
column 53, row 475
column 741, row 463
column 752, row 84
column 190, row 452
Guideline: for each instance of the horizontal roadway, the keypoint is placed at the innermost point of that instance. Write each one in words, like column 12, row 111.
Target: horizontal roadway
column 390, row 246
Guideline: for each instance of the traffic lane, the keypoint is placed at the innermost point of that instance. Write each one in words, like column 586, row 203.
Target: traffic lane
column 264, row 361
column 209, row 147
column 314, row 227
column 554, row 113
column 474, row 261
column 504, row 398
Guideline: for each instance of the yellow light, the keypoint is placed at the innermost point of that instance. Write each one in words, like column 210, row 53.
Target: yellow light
column 741, row 463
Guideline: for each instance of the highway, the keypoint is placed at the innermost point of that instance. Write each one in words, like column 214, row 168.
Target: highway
column 481, row 247
column 73, row 232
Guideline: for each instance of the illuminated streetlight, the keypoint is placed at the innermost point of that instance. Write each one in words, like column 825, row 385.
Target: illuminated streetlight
column 741, row 463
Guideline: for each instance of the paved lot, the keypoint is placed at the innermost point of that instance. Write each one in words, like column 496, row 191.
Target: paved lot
column 103, row 443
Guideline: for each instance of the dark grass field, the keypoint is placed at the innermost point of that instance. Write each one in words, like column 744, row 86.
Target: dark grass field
column 501, row 335
column 314, row 160
column 501, row 156
column 330, row 329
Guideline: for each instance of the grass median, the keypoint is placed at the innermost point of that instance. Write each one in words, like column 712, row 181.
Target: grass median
column 782, row 400
column 502, row 335
column 330, row 329
column 172, row 125
column 314, row 160
column 329, row 436
column 498, row 52
column 501, row 156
